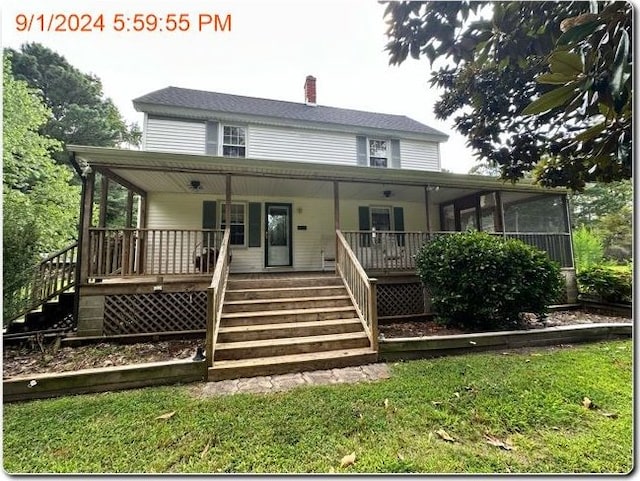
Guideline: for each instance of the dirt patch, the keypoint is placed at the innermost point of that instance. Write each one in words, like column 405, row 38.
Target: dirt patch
column 29, row 358
column 431, row 328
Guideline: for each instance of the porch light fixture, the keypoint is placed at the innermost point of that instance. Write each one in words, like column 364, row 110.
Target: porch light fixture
column 387, row 193
column 195, row 185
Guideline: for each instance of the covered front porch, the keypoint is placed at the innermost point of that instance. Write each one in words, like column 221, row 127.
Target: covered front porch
column 286, row 217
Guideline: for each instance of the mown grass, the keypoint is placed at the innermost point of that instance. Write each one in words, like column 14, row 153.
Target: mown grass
column 531, row 400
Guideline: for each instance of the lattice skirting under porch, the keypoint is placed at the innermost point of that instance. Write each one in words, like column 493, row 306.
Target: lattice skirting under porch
column 400, row 299
column 157, row 312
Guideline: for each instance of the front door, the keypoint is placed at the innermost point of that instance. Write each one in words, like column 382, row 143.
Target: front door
column 278, row 235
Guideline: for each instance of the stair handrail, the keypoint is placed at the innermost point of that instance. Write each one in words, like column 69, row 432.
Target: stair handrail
column 51, row 276
column 215, row 296
column 361, row 288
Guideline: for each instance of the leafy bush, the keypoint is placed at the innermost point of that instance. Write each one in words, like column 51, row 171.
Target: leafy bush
column 587, row 248
column 605, row 283
column 483, row 282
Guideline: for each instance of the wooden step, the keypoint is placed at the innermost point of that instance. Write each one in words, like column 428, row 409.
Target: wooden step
column 254, row 305
column 290, row 363
column 288, row 329
column 287, row 315
column 289, row 345
column 235, row 283
column 281, row 292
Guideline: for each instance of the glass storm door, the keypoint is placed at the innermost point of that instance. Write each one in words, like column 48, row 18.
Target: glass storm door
column 278, row 235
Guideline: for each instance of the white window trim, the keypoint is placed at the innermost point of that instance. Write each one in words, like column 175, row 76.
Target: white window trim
column 244, row 204
column 388, row 157
column 221, row 140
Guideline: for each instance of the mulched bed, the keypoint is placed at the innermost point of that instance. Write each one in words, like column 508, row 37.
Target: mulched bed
column 30, row 358
column 431, row 328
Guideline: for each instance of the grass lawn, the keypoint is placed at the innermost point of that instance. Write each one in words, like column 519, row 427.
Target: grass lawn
column 530, row 400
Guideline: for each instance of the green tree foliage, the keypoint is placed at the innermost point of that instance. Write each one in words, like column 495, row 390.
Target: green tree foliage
column 587, row 248
column 606, row 210
column 482, row 282
column 535, row 86
column 80, row 113
column 40, row 207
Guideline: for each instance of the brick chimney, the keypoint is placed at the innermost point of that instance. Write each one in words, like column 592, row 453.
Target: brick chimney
column 310, row 90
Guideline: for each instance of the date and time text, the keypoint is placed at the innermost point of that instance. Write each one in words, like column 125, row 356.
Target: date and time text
column 123, row 22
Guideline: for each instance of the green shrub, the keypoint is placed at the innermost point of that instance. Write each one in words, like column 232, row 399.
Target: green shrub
column 588, row 249
column 607, row 284
column 482, row 282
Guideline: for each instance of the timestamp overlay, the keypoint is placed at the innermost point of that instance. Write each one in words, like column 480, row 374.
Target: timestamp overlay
column 122, row 22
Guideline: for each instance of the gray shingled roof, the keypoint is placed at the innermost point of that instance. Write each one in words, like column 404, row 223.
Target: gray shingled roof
column 236, row 104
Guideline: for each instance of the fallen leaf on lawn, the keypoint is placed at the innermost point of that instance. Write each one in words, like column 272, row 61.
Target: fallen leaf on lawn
column 400, row 457
column 610, row 415
column 497, row 443
column 205, row 451
column 386, row 404
column 445, row 435
column 456, row 394
column 166, row 416
column 436, row 403
column 348, row 460
column 586, row 402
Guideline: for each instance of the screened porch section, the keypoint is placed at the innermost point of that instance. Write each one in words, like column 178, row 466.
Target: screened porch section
column 539, row 220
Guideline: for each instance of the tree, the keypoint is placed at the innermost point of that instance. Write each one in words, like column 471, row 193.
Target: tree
column 606, row 210
column 40, row 207
column 535, row 86
column 600, row 199
column 80, row 114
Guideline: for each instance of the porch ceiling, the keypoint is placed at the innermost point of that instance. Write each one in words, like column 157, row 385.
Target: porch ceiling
column 171, row 172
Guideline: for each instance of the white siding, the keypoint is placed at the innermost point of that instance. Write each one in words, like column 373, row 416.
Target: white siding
column 419, row 155
column 175, row 136
column 302, row 145
column 277, row 143
column 184, row 211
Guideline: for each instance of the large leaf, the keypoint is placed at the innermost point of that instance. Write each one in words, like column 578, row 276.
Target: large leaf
column 552, row 99
column 555, row 78
column 619, row 64
column 590, row 133
column 579, row 32
column 566, row 63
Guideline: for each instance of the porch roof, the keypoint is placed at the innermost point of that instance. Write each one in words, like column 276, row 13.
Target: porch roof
column 117, row 163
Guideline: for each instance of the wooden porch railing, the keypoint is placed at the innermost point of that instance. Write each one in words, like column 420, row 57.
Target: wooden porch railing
column 361, row 288
column 140, row 252
column 215, row 297
column 395, row 250
column 386, row 250
column 557, row 245
column 54, row 274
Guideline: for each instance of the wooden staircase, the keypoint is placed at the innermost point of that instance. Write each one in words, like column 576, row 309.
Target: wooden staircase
column 277, row 323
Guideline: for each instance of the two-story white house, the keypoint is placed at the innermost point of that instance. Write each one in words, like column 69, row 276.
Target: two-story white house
column 297, row 215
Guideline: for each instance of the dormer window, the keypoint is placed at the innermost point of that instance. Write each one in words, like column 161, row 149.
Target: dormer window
column 234, row 141
column 378, row 153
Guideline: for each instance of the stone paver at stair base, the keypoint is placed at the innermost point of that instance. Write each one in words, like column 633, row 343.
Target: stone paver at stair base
column 285, row 382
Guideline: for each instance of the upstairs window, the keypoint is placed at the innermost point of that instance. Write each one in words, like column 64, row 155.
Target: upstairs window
column 378, row 153
column 234, row 141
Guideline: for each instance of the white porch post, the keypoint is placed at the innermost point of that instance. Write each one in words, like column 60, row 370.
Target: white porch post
column 336, row 215
column 426, row 208
column 227, row 205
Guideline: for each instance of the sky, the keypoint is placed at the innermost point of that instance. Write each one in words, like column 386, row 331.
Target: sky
column 268, row 51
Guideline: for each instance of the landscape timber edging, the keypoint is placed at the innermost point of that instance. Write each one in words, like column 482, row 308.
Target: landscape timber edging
column 102, row 379
column 433, row 346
